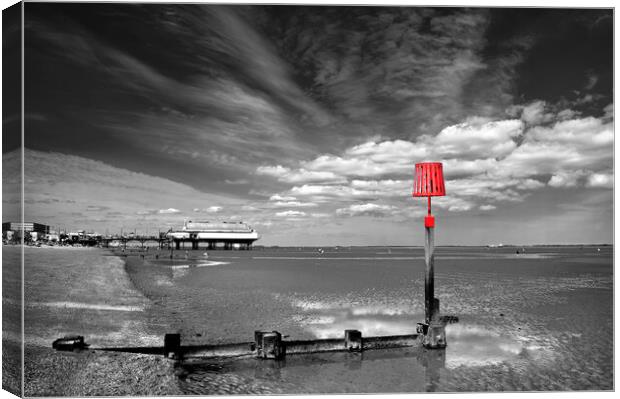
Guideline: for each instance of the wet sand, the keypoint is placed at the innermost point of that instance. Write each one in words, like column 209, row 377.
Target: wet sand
column 82, row 292
column 527, row 323
column 11, row 320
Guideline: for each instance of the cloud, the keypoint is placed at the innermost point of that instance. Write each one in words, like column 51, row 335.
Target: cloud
column 168, row 211
column 476, row 138
column 275, row 171
column 487, row 207
column 293, row 204
column 469, row 141
column 565, row 179
column 328, row 112
column 87, row 187
column 368, row 209
column 534, row 113
column 454, row 203
column 237, row 182
column 290, row 213
column 584, row 143
column 277, row 197
column 147, row 212
column 227, row 119
column 327, row 193
column 406, row 67
column 211, row 209
column 592, row 80
column 601, row 180
column 567, row 114
column 353, row 166
column 320, row 215
column 94, row 208
column 484, row 160
column 302, row 175
column 381, row 188
column 609, row 111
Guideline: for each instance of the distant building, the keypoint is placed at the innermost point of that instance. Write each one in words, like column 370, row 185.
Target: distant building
column 84, row 238
column 210, row 235
column 27, row 227
column 12, row 231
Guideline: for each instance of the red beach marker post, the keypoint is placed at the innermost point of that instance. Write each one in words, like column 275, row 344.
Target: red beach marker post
column 429, row 182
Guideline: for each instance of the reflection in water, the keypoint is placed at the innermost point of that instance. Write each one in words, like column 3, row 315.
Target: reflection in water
column 394, row 370
column 369, row 324
column 468, row 345
column 433, row 360
column 390, row 370
column 329, row 319
column 403, row 370
column 475, row 346
column 269, row 370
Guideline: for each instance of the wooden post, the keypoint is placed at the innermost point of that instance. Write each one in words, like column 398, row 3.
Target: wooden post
column 353, row 340
column 435, row 334
column 269, row 345
column 172, row 345
column 429, row 277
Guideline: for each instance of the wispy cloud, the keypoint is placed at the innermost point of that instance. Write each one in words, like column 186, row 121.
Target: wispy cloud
column 123, row 198
column 168, row 211
column 211, row 209
column 290, row 213
column 365, row 210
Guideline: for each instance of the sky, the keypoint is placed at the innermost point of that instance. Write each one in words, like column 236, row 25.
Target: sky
column 306, row 122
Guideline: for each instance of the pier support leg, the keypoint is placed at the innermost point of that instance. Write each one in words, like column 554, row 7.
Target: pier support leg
column 177, row 245
column 433, row 362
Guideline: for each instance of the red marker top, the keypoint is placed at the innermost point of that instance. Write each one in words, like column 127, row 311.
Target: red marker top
column 428, row 181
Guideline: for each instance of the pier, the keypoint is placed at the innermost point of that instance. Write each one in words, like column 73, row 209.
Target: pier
column 143, row 242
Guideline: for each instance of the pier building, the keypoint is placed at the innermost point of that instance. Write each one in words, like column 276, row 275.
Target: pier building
column 212, row 235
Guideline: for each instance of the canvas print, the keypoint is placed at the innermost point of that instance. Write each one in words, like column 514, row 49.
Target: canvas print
column 216, row 199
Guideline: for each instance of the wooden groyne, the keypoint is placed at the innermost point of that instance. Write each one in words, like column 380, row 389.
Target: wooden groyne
column 266, row 345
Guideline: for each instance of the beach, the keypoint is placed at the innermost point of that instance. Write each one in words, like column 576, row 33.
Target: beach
column 72, row 291
column 535, row 321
